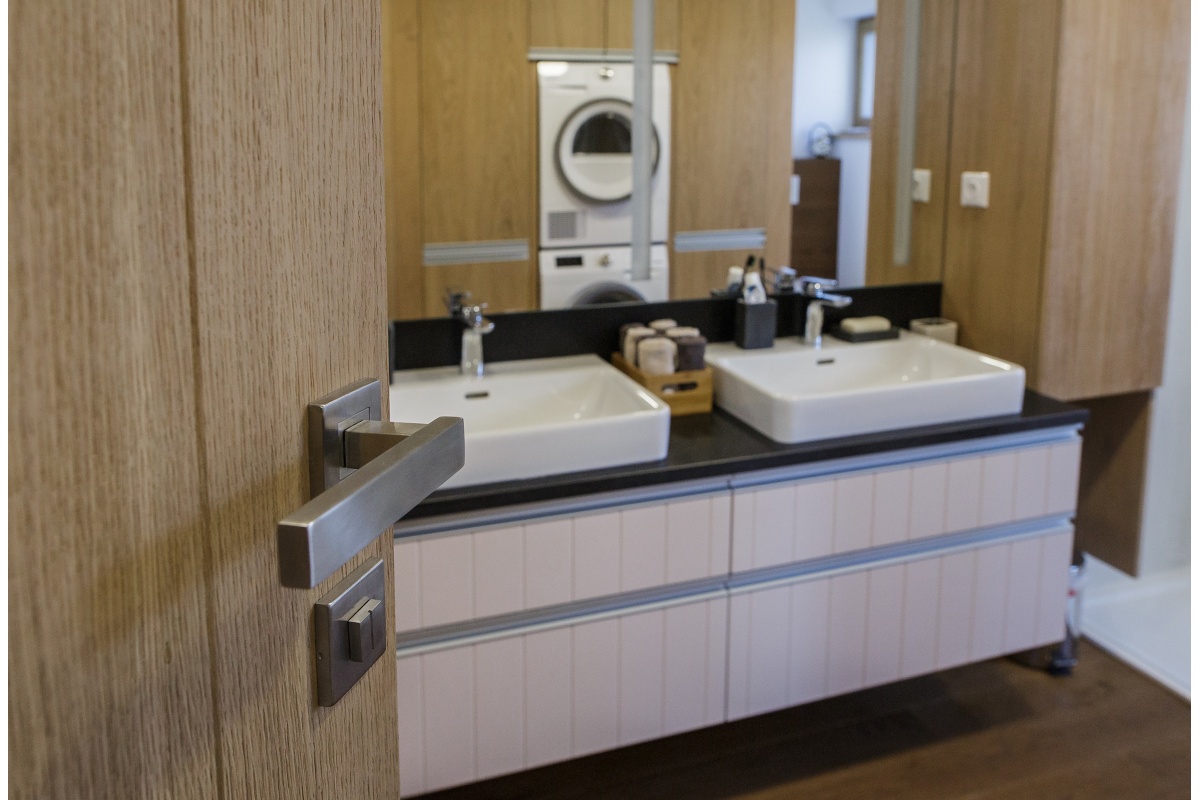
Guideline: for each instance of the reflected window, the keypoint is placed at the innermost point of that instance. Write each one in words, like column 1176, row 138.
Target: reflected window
column 864, row 75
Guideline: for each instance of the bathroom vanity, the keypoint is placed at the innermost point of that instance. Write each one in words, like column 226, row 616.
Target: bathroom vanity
column 544, row 619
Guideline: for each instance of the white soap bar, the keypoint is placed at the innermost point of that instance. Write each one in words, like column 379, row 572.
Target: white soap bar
column 866, row 324
column 656, row 356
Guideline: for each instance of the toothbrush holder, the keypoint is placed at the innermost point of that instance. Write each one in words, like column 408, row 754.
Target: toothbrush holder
column 754, row 324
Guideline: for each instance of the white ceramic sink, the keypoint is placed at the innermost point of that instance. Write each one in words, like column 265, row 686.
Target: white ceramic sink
column 795, row 393
column 525, row 419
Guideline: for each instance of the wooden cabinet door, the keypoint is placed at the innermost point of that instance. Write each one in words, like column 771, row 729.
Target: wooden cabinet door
column 196, row 252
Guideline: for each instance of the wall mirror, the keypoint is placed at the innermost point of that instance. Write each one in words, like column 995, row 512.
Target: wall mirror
column 748, row 83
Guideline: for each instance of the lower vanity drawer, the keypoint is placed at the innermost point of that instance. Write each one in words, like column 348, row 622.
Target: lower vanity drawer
column 474, row 710
column 827, row 634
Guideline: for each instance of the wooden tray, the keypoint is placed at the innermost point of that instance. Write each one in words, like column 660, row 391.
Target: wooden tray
column 685, row 392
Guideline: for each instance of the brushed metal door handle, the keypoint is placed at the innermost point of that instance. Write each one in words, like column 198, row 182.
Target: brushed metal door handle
column 365, row 474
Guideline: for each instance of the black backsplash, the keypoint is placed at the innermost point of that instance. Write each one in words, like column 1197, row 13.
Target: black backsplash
column 593, row 329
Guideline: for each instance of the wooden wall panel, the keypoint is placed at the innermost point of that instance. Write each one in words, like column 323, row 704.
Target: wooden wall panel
column 694, row 274
column 719, row 165
column 478, row 126
column 283, row 127
column 780, row 38
column 931, row 146
column 1122, row 85
column 505, row 286
column 598, row 24
column 566, row 23
column 1002, row 125
column 620, row 24
column 478, row 141
column 110, row 684
column 401, row 157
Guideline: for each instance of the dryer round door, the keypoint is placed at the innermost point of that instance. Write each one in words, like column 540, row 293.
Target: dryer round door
column 594, row 152
column 604, row 293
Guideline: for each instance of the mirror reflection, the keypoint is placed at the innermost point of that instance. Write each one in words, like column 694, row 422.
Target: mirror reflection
column 507, row 138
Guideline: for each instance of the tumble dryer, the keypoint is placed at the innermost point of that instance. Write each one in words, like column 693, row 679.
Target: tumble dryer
column 585, row 113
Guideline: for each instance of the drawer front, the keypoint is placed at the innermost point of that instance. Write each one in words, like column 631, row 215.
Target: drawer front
column 800, row 520
column 485, row 572
column 474, row 711
column 821, row 637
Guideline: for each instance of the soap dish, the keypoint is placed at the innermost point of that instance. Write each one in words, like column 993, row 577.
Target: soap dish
column 867, row 336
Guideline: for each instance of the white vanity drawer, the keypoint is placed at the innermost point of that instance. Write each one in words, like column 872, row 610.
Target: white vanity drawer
column 482, row 572
column 476, row 710
column 792, row 521
column 823, row 636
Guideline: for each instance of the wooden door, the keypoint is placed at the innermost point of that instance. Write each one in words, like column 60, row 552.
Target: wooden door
column 196, row 251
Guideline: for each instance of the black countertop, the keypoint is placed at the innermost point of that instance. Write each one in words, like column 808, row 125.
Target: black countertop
column 716, row 444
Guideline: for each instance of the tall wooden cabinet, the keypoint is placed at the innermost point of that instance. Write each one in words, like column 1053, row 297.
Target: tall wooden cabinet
column 1075, row 108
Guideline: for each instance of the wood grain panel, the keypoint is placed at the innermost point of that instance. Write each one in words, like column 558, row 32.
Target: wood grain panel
column 775, row 183
column 284, row 140
column 506, row 286
column 1112, row 479
column 567, row 24
column 1118, row 127
column 401, row 157
column 110, row 682
column 477, row 121
column 695, row 274
column 931, row 146
column 719, row 166
column 1003, row 106
column 620, row 24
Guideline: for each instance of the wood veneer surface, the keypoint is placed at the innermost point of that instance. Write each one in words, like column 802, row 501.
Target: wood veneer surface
column 284, row 141
column 720, row 155
column 1118, row 128
column 991, row 730
column 931, row 145
column 110, row 683
column 1001, row 124
column 401, row 157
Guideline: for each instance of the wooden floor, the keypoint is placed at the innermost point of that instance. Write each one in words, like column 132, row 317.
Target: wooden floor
column 986, row 731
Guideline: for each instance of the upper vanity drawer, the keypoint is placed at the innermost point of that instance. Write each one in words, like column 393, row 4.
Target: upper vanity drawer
column 797, row 520
column 502, row 569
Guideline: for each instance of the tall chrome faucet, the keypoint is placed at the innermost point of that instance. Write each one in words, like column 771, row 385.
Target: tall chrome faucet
column 475, row 325
column 814, row 288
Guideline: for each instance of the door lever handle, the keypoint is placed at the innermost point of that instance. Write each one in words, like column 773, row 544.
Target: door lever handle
column 394, row 467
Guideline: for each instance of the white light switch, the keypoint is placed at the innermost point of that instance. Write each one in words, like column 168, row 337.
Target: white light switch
column 795, row 192
column 974, row 189
column 922, row 178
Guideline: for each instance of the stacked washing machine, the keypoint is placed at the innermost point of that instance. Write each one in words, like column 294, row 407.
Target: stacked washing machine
column 585, row 180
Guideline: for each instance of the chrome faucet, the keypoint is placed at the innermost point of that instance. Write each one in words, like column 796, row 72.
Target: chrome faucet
column 815, row 319
column 475, row 325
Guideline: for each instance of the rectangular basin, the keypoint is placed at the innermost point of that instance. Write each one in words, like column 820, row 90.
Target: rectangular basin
column 525, row 419
column 795, row 393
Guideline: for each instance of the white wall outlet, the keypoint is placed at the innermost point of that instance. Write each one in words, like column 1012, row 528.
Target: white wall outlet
column 974, row 192
column 922, row 178
column 795, row 190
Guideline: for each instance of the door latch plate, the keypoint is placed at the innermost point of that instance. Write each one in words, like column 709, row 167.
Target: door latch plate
column 328, row 419
column 356, row 608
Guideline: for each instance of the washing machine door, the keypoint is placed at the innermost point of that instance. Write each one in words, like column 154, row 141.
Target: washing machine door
column 594, row 152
